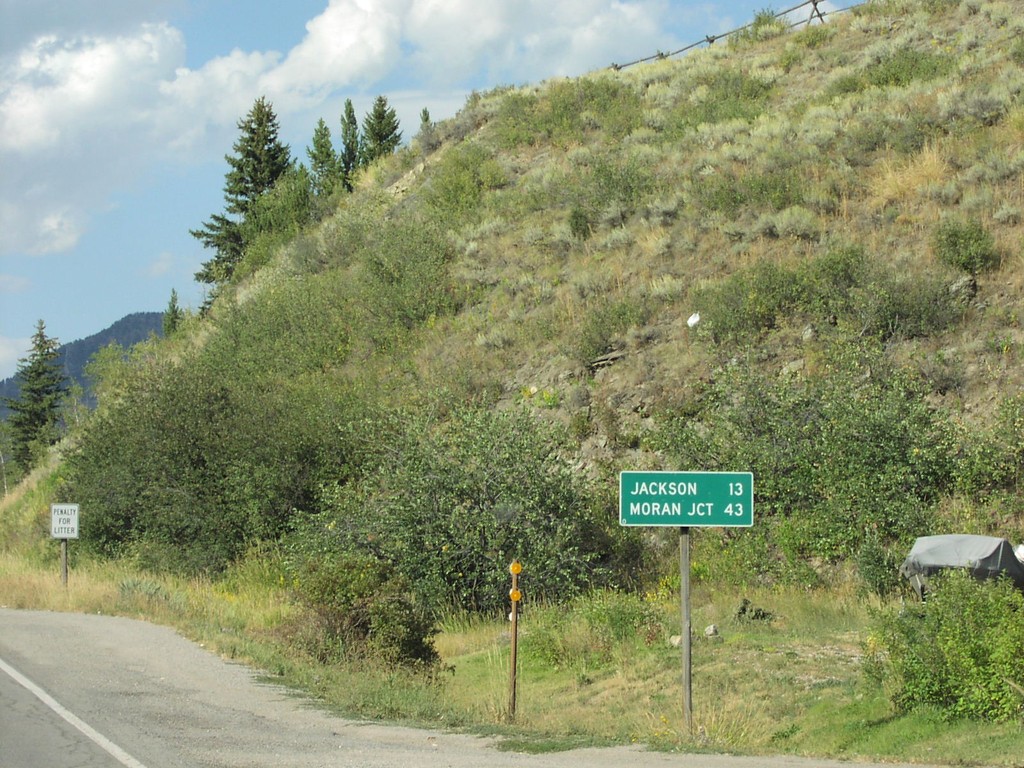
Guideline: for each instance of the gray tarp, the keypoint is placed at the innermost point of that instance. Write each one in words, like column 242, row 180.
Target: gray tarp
column 984, row 556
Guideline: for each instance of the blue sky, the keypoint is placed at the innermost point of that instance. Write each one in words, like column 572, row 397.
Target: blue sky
column 115, row 116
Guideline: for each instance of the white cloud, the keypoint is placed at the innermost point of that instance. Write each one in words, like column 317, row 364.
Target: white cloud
column 11, row 284
column 61, row 90
column 89, row 102
column 193, row 102
column 75, row 122
column 523, row 41
column 162, row 265
column 352, row 41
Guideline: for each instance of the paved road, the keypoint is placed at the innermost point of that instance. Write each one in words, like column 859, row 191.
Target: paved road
column 80, row 691
column 32, row 734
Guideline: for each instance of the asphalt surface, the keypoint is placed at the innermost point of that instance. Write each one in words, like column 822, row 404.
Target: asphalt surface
column 83, row 691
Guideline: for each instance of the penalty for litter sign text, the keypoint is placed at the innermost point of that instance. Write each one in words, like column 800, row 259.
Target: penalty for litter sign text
column 694, row 499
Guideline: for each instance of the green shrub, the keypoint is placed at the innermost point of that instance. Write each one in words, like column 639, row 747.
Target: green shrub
column 992, row 461
column 459, row 183
column 891, row 305
column 603, row 324
column 825, row 282
column 292, row 327
column 747, row 302
column 907, row 65
column 190, row 462
column 587, row 632
column 897, row 70
column 904, row 134
column 275, row 218
column 515, row 120
column 795, row 222
column 766, row 25
column 878, row 567
column 608, row 190
column 619, row 616
column 575, row 107
column 725, row 95
column 451, row 502
column 404, row 280
column 965, row 245
column 852, row 448
column 360, row 606
column 842, row 285
column 579, row 223
column 728, row 193
column 568, row 111
column 1017, row 52
column 962, row 650
column 816, row 36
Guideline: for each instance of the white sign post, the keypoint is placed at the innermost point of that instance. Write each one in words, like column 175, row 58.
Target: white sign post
column 64, row 526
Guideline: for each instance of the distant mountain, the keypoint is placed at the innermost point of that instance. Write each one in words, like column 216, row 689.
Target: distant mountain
column 74, row 356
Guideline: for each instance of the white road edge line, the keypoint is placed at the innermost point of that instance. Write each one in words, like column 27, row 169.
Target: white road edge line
column 98, row 738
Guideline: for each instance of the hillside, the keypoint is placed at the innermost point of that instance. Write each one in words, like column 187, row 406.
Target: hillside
column 793, row 252
column 841, row 204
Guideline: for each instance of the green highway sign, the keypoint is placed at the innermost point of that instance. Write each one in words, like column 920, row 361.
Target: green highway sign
column 693, row 499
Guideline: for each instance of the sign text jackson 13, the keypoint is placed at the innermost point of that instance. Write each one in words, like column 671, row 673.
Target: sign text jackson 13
column 708, row 499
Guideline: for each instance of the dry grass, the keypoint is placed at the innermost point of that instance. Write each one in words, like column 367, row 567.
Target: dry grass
column 910, row 181
column 632, row 691
column 791, row 684
column 91, row 588
column 227, row 614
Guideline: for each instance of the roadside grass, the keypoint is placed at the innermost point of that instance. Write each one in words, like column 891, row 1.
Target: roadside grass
column 599, row 671
column 789, row 684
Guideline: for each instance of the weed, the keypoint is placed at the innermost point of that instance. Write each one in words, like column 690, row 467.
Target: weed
column 896, row 70
column 766, row 25
column 721, row 96
column 965, row 245
column 816, row 36
column 604, row 324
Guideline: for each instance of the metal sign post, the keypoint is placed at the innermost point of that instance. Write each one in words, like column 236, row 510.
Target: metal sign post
column 684, row 600
column 64, row 526
column 686, row 500
column 515, row 595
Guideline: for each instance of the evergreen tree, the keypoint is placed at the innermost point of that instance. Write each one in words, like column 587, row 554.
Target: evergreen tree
column 427, row 135
column 172, row 315
column 324, row 163
column 259, row 160
column 380, row 131
column 5, row 451
column 349, row 144
column 34, row 413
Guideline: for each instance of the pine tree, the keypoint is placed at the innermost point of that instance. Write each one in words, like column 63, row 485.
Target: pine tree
column 428, row 134
column 172, row 315
column 380, row 131
column 5, row 451
column 34, row 413
column 259, row 160
column 349, row 144
column 324, row 163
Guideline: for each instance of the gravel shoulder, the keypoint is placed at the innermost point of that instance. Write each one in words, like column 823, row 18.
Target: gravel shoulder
column 168, row 702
